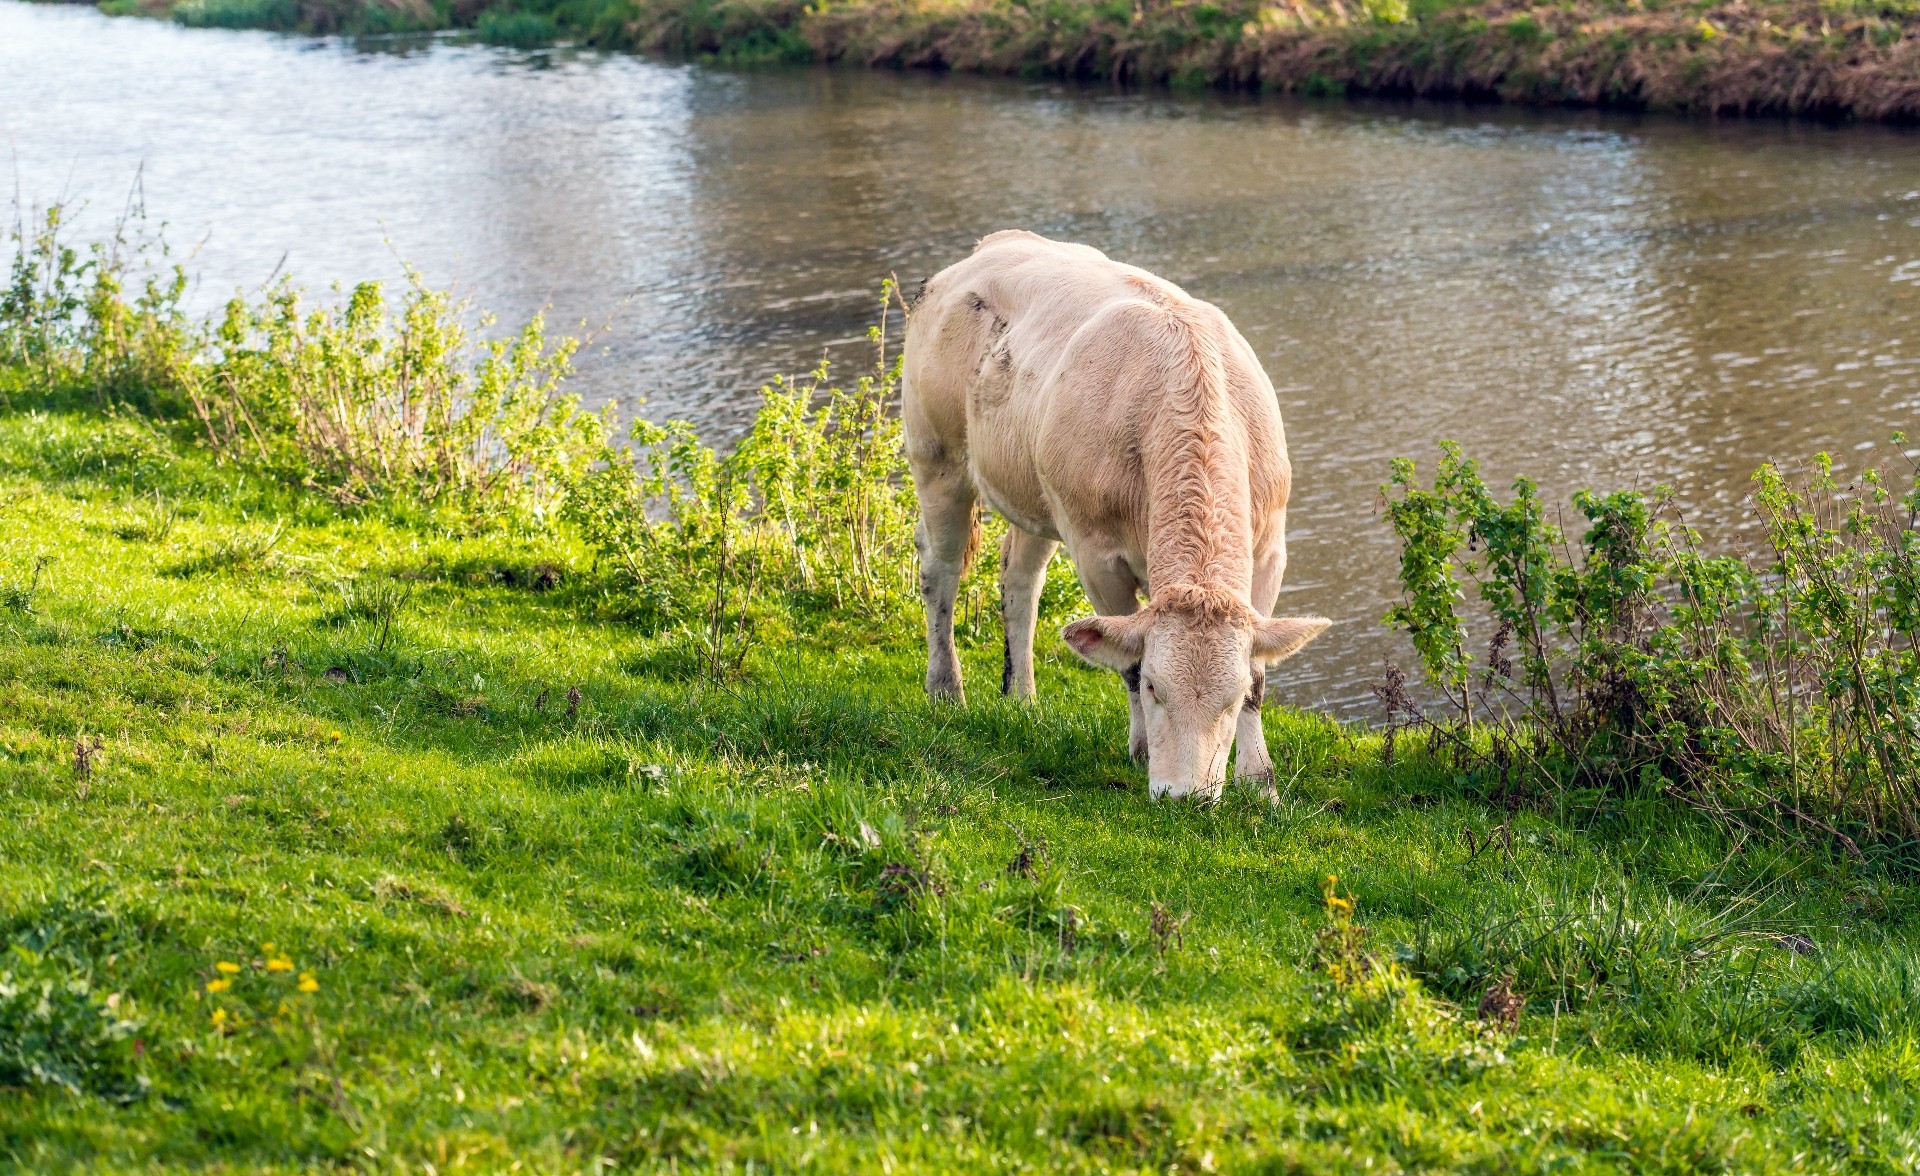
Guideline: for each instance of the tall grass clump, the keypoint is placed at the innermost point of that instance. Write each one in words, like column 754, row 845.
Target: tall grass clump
column 362, row 401
column 1777, row 689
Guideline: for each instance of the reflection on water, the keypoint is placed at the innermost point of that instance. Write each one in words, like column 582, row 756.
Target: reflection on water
column 1590, row 299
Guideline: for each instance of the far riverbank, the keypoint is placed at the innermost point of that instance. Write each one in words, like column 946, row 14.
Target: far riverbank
column 1846, row 60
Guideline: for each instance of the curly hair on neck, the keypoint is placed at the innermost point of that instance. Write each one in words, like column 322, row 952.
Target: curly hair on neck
column 1202, row 604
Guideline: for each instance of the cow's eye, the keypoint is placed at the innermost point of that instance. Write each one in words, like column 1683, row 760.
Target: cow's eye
column 1152, row 693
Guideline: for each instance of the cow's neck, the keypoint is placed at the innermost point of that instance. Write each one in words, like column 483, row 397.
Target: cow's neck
column 1199, row 516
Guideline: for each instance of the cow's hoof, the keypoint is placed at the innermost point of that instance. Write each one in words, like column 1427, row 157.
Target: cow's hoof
column 946, row 692
column 1263, row 782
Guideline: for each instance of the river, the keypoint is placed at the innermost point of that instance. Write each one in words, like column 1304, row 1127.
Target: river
column 1594, row 299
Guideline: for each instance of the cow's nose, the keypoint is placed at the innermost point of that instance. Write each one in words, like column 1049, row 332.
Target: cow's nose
column 1167, row 789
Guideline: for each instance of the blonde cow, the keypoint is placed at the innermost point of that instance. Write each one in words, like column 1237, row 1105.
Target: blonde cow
column 1093, row 404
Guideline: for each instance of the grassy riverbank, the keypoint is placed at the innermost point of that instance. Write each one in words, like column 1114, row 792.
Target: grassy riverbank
column 558, row 899
column 1842, row 58
column 397, row 779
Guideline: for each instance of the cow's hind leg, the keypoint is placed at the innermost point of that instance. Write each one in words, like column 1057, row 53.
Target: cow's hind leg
column 1023, row 573
column 947, row 536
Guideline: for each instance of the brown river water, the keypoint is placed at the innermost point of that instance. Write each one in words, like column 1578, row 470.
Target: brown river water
column 1597, row 300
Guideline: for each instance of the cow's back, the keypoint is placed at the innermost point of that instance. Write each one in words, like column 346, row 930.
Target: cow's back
column 1036, row 363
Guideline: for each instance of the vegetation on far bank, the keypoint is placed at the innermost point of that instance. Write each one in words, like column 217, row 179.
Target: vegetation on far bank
column 398, row 775
column 1827, row 58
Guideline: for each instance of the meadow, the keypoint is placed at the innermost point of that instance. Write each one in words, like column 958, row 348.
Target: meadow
column 370, row 808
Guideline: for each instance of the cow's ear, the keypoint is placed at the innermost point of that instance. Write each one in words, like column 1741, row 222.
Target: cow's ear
column 1282, row 637
column 1113, row 642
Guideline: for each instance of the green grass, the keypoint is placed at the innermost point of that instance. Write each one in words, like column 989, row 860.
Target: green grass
column 563, row 904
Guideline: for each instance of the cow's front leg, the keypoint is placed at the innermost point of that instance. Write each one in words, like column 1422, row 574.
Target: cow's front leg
column 1136, row 717
column 1115, row 592
column 1251, row 761
column 1252, row 764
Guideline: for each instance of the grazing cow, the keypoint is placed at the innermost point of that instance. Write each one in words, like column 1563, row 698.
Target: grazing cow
column 1093, row 404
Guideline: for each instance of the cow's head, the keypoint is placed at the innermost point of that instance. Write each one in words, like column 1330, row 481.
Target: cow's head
column 1195, row 668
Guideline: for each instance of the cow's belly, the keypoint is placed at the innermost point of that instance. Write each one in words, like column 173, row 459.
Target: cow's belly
column 1020, row 514
column 1001, row 425
column 1007, row 482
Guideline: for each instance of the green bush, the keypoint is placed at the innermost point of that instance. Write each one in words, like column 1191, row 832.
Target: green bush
column 238, row 14
column 363, row 403
column 810, row 514
column 67, row 325
column 1782, row 692
column 359, row 401
column 524, row 30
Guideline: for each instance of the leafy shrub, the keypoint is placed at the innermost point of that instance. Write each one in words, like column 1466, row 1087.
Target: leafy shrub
column 359, row 401
column 364, row 404
column 66, row 320
column 811, row 516
column 1779, row 692
column 810, row 513
column 44, row 305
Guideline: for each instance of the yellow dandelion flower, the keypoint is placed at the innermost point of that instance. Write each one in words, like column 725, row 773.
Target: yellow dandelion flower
column 335, row 736
column 308, row 983
column 268, row 948
column 283, row 1008
column 1707, row 31
column 279, row 964
column 229, row 969
column 219, row 1016
column 220, row 985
